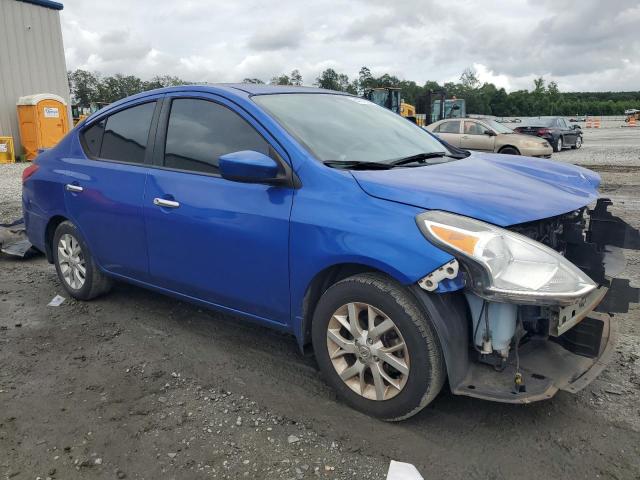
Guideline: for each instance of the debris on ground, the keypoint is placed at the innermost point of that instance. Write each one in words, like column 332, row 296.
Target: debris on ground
column 56, row 301
column 403, row 471
column 13, row 238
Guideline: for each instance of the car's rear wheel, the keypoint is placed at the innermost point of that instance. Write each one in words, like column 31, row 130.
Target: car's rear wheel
column 76, row 268
column 376, row 348
column 509, row 151
column 558, row 146
column 578, row 142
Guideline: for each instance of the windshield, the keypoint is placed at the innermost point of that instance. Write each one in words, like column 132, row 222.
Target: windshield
column 498, row 127
column 345, row 128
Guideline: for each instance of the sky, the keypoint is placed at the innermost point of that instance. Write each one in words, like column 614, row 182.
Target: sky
column 585, row 45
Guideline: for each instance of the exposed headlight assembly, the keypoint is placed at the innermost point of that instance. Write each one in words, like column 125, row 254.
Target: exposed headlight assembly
column 503, row 265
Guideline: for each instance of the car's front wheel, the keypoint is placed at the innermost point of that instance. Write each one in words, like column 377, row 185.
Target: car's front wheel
column 509, row 151
column 76, row 268
column 377, row 348
column 578, row 142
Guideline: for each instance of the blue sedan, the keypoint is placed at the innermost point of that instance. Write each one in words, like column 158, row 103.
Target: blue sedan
column 400, row 262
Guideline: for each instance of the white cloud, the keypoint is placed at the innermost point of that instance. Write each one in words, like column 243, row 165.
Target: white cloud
column 581, row 47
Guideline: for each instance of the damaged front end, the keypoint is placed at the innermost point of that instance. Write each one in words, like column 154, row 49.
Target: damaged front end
column 541, row 310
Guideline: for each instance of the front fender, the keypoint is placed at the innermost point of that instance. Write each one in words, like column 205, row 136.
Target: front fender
column 338, row 223
column 449, row 314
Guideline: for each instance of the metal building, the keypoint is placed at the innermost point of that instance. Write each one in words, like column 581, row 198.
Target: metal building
column 31, row 57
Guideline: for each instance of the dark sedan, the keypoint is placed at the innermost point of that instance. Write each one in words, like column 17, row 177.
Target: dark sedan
column 555, row 130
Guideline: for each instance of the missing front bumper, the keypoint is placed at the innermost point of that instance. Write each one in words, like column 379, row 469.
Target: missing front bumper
column 546, row 365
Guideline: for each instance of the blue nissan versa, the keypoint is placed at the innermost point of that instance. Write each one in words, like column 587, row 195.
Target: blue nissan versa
column 400, row 261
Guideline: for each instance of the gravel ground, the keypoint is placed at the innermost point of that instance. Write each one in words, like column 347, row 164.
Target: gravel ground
column 10, row 190
column 138, row 385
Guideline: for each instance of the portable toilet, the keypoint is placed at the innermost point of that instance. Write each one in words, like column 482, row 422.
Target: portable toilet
column 43, row 122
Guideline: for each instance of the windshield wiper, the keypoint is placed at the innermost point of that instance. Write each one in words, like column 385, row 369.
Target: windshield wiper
column 356, row 165
column 419, row 157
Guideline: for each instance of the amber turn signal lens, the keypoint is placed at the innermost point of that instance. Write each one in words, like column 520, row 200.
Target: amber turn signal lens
column 461, row 241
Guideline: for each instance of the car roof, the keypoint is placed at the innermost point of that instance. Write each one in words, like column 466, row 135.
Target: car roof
column 237, row 89
column 229, row 90
column 263, row 89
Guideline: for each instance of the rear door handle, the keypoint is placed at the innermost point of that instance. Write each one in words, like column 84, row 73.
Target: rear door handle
column 73, row 188
column 163, row 202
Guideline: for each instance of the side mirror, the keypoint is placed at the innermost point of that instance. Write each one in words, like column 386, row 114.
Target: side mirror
column 249, row 167
column 576, row 127
column 491, row 133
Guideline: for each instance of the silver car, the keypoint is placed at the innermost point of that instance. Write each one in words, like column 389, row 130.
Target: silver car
column 489, row 136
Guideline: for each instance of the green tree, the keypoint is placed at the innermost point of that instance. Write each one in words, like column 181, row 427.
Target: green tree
column 365, row 80
column 88, row 87
column 538, row 86
column 469, row 79
column 296, row 77
column 83, row 86
column 118, row 86
column 331, row 80
column 162, row 81
column 282, row 79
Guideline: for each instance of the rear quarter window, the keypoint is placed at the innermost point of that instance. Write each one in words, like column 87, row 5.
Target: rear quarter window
column 92, row 137
column 122, row 136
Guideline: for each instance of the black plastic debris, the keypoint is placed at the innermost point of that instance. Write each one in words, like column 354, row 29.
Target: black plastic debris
column 13, row 239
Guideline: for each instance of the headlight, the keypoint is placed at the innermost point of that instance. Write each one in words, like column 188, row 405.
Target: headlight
column 504, row 265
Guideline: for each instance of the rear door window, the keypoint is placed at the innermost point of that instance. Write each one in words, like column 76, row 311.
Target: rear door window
column 123, row 136
column 450, row 127
column 200, row 131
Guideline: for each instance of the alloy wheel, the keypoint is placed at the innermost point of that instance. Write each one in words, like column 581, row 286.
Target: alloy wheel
column 71, row 261
column 368, row 351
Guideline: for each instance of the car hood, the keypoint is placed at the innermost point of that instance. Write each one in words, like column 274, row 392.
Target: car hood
column 499, row 189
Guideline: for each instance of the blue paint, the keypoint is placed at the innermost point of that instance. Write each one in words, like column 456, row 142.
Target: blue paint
column 254, row 248
column 248, row 166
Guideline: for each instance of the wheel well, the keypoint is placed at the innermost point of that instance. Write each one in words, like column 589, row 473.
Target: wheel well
column 320, row 283
column 48, row 235
column 504, row 147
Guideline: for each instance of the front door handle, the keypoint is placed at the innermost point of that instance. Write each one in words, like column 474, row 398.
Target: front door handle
column 73, row 188
column 163, row 202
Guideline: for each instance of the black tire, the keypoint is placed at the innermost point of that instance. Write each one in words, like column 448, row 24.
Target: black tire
column 578, row 143
column 557, row 147
column 509, row 151
column 427, row 371
column 95, row 282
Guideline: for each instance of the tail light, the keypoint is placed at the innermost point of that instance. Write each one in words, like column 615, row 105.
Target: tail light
column 30, row 170
column 542, row 131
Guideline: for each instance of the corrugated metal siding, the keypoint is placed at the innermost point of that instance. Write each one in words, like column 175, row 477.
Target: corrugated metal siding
column 31, row 59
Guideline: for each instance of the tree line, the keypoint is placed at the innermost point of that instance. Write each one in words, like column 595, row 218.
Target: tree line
column 481, row 98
